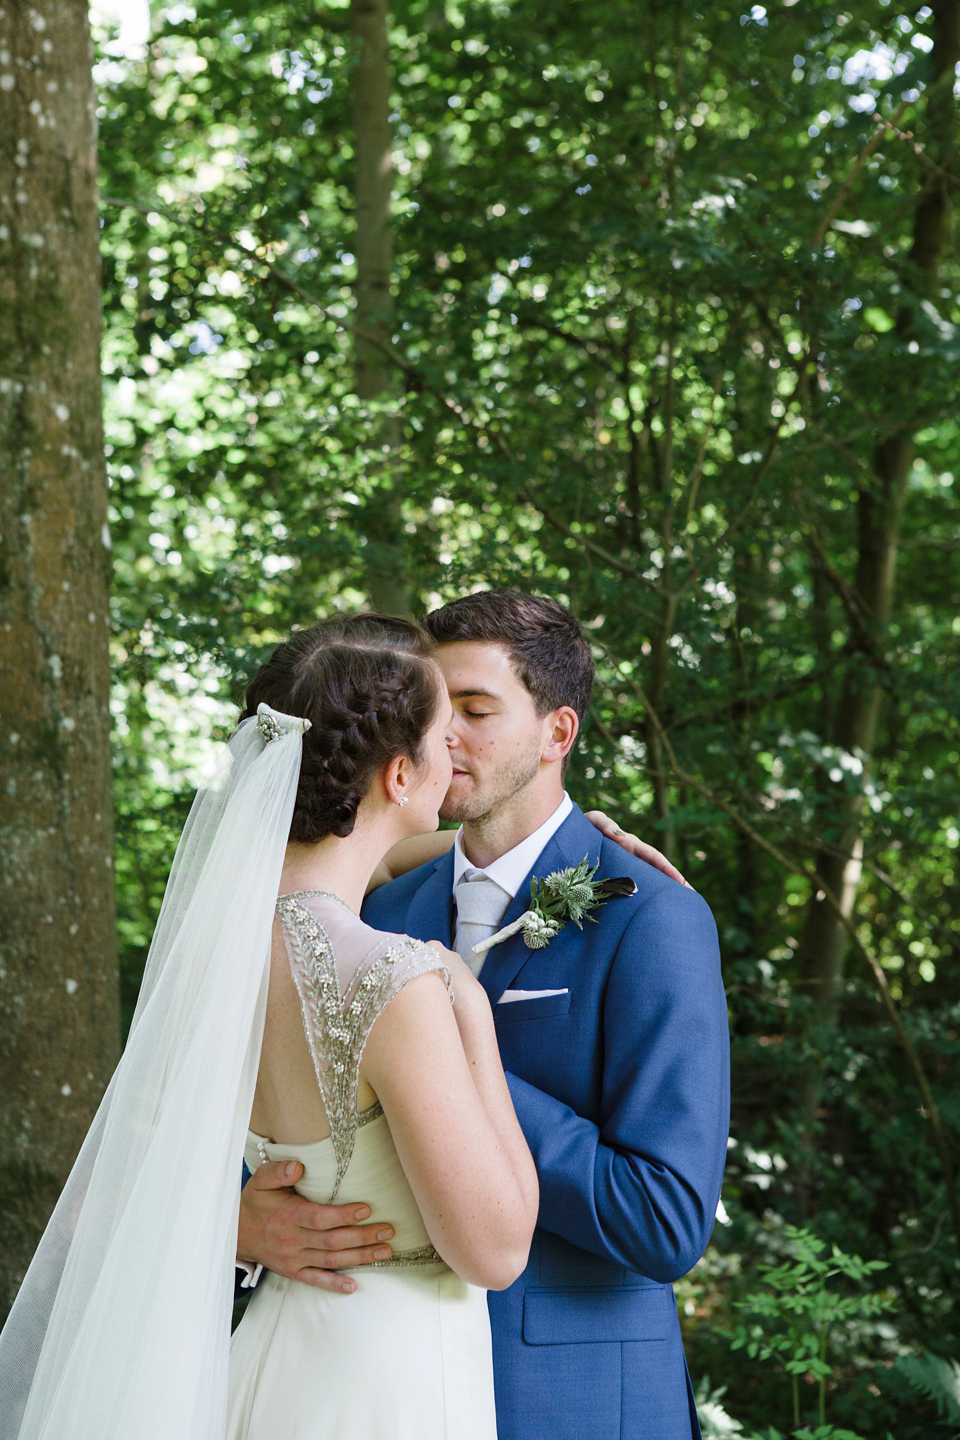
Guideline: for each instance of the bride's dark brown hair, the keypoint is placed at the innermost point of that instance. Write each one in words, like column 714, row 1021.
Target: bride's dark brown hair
column 366, row 684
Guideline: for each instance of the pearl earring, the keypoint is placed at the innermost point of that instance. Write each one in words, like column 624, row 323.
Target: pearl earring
column 403, row 799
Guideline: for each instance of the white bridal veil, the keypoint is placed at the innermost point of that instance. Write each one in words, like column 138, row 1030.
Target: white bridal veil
column 121, row 1329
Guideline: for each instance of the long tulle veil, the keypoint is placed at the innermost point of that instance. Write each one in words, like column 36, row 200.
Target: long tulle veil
column 121, row 1328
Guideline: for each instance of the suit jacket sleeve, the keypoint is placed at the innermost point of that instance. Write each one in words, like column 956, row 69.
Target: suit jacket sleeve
column 641, row 1187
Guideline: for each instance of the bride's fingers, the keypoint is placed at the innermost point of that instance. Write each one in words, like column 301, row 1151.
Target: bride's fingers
column 601, row 821
column 635, row 846
column 651, row 855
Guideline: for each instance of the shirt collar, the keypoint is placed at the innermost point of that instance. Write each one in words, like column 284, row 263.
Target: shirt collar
column 510, row 870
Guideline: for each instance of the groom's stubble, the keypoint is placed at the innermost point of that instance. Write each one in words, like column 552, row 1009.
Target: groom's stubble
column 499, row 790
column 506, row 779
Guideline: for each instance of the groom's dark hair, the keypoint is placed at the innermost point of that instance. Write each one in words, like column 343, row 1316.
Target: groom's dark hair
column 544, row 641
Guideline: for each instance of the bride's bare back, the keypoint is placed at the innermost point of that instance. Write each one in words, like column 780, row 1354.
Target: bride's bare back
column 288, row 1107
column 342, row 994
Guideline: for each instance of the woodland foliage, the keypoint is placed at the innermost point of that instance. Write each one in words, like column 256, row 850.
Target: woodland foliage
column 674, row 338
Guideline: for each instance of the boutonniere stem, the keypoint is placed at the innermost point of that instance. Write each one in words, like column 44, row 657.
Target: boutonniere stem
column 560, row 896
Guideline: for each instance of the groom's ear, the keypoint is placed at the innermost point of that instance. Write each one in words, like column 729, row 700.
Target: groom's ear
column 560, row 728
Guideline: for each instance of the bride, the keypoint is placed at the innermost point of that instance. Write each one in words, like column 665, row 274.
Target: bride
column 272, row 1025
column 400, row 1096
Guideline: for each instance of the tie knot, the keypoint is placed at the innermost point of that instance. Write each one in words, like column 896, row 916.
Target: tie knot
column 480, row 900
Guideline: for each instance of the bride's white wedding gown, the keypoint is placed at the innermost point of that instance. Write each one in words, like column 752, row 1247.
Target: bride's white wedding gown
column 407, row 1355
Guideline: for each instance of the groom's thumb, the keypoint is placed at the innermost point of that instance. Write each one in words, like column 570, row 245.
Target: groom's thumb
column 278, row 1175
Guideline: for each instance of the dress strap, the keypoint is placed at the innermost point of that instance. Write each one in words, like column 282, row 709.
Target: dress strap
column 338, row 1024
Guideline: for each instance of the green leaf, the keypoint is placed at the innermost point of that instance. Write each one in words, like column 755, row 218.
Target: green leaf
column 936, row 1377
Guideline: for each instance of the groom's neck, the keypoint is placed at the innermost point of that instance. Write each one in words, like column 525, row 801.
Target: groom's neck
column 510, row 822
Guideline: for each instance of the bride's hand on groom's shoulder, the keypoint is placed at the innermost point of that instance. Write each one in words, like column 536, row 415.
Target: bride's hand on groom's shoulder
column 293, row 1237
column 634, row 845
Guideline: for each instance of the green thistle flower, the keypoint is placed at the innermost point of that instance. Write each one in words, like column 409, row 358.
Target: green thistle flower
column 566, row 893
column 560, row 896
column 573, row 889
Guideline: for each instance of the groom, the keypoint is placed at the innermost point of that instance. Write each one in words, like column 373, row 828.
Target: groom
column 613, row 1037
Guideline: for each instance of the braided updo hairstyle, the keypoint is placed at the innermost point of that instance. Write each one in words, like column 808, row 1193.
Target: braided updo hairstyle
column 366, row 684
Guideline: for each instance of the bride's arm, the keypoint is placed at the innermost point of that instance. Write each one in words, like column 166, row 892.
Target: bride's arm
column 408, row 854
column 438, row 1076
column 419, row 849
column 634, row 845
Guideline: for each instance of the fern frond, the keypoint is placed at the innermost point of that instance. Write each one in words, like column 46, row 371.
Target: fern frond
column 715, row 1423
column 935, row 1377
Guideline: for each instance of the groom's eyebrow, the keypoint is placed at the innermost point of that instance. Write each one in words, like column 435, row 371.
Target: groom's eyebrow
column 472, row 694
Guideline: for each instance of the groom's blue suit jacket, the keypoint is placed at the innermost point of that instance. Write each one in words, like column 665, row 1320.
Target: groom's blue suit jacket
column 621, row 1086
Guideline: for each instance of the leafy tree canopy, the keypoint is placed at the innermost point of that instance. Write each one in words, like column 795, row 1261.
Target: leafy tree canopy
column 666, row 344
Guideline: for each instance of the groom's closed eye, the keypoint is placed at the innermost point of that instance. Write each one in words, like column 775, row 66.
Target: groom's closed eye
column 475, row 697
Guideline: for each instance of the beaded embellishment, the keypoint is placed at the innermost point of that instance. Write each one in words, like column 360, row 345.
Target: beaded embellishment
column 423, row 1255
column 273, row 723
column 268, row 728
column 337, row 1026
column 364, row 1117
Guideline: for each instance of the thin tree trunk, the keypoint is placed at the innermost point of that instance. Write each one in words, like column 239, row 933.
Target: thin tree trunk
column 382, row 520
column 58, row 977
column 824, row 942
column 661, row 471
column 656, row 685
column 746, row 564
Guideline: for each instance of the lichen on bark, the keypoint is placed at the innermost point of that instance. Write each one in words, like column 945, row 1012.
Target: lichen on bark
column 58, row 986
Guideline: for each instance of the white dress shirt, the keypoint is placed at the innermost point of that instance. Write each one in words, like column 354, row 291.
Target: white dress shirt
column 510, row 870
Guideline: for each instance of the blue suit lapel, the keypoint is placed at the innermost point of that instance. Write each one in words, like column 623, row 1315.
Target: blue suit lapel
column 575, row 838
column 430, row 916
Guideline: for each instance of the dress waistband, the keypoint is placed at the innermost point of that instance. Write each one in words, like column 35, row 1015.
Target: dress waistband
column 421, row 1256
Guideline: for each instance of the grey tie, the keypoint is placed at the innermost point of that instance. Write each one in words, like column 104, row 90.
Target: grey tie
column 481, row 905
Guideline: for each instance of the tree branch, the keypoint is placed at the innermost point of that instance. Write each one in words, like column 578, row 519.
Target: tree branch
column 839, row 199
column 621, row 566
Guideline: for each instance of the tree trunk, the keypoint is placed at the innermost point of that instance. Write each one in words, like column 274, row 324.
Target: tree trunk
column 58, row 978
column 382, row 519
column 656, row 685
column 746, row 562
column 824, row 942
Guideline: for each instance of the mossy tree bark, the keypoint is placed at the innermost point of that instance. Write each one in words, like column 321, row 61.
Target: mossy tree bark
column 58, row 976
column 385, row 561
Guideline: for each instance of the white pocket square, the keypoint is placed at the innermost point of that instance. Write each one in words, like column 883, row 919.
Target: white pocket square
column 510, row 996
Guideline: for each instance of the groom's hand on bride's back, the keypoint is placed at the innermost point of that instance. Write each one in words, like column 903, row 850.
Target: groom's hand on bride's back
column 291, row 1236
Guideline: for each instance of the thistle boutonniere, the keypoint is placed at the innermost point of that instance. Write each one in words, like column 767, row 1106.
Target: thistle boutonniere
column 560, row 896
